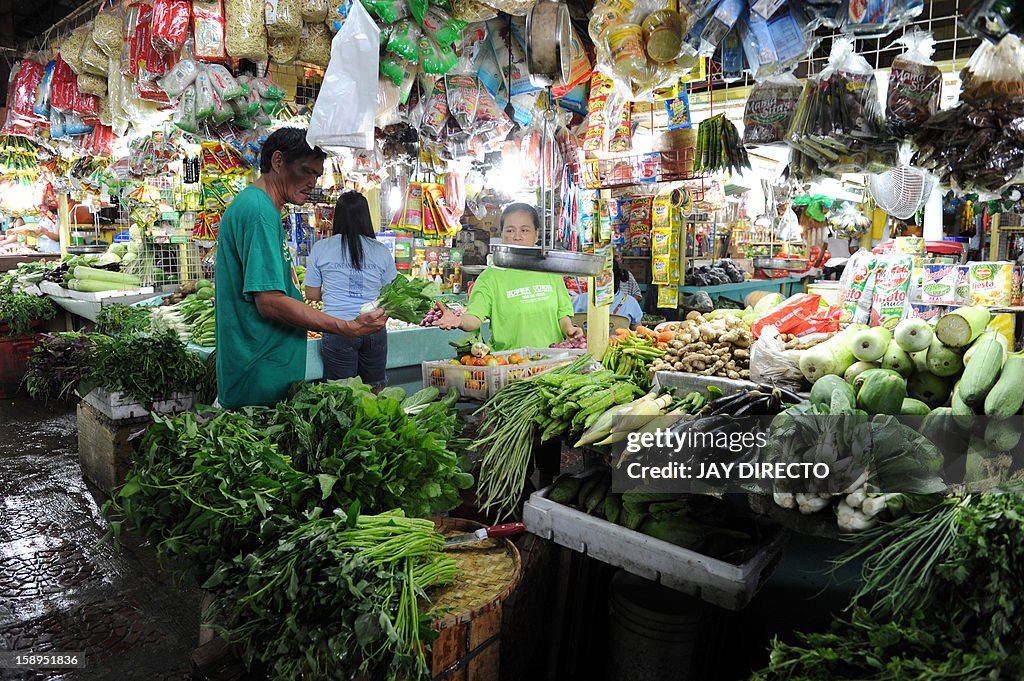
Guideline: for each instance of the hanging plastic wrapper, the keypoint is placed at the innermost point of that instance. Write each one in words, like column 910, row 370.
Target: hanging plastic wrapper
column 314, row 10
column 769, row 110
column 71, row 49
column 108, row 32
column 208, row 30
column 94, row 60
column 404, row 40
column 24, row 84
column 881, row 17
column 247, row 38
column 283, row 50
column 283, row 18
column 915, row 83
column 180, row 77
column 344, row 111
column 41, row 103
column 389, row 11
column 463, row 97
column 315, row 44
column 170, row 24
column 774, row 46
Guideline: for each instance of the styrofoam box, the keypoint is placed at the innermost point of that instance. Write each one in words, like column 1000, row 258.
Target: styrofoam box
column 116, row 406
column 712, row 580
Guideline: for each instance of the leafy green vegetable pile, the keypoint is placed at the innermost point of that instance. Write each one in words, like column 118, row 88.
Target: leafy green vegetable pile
column 58, row 364
column 144, row 367
column 247, row 499
column 19, row 309
column 404, row 299
column 116, row 319
column 941, row 598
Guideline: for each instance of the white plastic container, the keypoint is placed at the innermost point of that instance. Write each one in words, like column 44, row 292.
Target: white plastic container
column 118, row 407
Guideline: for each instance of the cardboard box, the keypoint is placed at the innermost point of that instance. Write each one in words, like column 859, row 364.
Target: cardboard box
column 990, row 283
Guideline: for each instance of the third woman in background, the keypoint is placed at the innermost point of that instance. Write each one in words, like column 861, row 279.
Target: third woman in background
column 345, row 271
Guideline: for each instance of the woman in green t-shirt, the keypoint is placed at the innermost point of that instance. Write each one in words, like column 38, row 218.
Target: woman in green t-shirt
column 526, row 309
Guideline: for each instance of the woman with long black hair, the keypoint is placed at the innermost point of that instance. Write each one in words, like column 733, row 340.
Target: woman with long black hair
column 345, row 271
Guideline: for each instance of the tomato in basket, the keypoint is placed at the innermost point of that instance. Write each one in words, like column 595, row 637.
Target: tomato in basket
column 515, row 358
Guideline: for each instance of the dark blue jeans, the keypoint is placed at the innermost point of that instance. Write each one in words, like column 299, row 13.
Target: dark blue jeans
column 362, row 356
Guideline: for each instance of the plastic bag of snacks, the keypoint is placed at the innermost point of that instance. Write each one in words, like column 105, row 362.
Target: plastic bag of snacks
column 108, row 32
column 180, row 77
column 436, row 59
column 208, row 33
column 41, row 102
column 92, row 85
column 204, row 96
column 770, row 108
column 915, row 84
column 440, row 26
column 315, row 44
column 389, row 11
column 403, row 41
column 24, row 83
column 71, row 49
column 463, row 97
column 247, row 38
column 225, row 84
column 314, row 10
column 170, row 24
column 283, row 18
column 94, row 60
column 283, row 50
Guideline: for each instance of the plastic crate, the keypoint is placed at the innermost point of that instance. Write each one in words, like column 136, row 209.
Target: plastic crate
column 118, row 407
column 712, row 580
column 479, row 383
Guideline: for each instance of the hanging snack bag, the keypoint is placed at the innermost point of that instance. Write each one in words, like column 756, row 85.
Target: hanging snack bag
column 208, row 30
column 440, row 26
column 436, row 59
column 222, row 111
column 94, row 60
column 463, row 98
column 915, row 84
column 283, row 18
column 204, row 96
column 247, row 38
column 663, row 33
column 418, row 9
column 170, row 24
column 108, row 32
column 71, row 49
column 389, row 11
column 392, row 67
column 404, row 40
column 225, row 84
column 283, row 50
column 266, row 88
column 857, row 286
column 640, row 224
column 41, row 103
column 618, row 130
column 89, row 84
column 770, row 108
column 678, row 110
column 600, row 88
column 180, row 77
column 436, row 113
column 186, row 118
column 314, row 10
column 315, row 44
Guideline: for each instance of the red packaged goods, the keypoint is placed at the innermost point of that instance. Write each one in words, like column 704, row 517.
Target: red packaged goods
column 789, row 315
column 23, row 87
column 139, row 16
column 169, row 24
column 208, row 23
column 64, row 88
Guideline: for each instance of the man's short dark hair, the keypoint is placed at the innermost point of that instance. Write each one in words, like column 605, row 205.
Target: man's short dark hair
column 291, row 142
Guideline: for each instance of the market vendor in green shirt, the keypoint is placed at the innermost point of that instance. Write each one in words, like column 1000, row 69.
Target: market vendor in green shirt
column 261, row 318
column 526, row 309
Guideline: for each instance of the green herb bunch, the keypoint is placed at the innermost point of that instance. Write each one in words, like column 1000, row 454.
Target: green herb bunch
column 380, row 456
column 116, row 319
column 19, row 309
column 144, row 367
column 58, row 364
column 941, row 598
column 334, row 598
column 408, row 300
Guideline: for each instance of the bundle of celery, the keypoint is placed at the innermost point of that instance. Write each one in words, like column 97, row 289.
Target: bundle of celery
column 93, row 280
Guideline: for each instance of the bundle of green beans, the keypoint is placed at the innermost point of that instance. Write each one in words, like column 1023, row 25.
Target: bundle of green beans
column 556, row 402
column 632, row 356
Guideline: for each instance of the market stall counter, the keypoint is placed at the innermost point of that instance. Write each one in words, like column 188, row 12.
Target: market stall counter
column 11, row 261
column 786, row 286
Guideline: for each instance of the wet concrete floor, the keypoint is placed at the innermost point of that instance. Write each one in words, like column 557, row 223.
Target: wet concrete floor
column 61, row 588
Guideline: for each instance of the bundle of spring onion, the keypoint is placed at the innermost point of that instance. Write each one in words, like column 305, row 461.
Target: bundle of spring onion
column 559, row 401
column 93, row 280
column 336, row 597
column 192, row 320
column 404, row 299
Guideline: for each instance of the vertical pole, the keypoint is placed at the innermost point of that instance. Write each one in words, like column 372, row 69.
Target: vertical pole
column 993, row 247
column 64, row 221
column 598, row 319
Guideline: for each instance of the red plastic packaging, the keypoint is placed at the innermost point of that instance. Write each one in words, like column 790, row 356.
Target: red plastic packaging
column 169, row 26
column 64, row 87
column 789, row 315
column 24, row 88
column 208, row 22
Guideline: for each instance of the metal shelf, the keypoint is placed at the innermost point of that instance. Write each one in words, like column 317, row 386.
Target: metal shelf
column 646, row 169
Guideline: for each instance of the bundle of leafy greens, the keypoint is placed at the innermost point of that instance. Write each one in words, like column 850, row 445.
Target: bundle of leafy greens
column 58, row 364
column 941, row 597
column 19, row 309
column 335, row 597
column 404, row 299
column 115, row 319
column 379, row 454
column 144, row 367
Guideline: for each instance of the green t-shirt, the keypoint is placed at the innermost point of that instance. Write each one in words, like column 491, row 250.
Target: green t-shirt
column 524, row 307
column 257, row 359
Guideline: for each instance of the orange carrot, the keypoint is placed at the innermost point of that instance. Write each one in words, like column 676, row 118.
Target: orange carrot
column 666, row 336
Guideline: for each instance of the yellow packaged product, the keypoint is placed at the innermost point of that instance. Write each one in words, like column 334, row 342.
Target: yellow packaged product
column 990, row 283
column 663, row 33
column 660, row 269
column 668, row 297
column 626, row 49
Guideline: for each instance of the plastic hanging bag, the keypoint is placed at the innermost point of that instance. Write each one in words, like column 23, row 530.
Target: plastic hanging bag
column 769, row 110
column 71, row 49
column 436, row 59
column 208, row 34
column 247, row 38
column 283, row 50
column 392, row 68
column 108, row 32
column 463, row 97
column 344, row 111
column 314, row 10
column 41, row 103
column 204, row 96
column 94, row 60
column 881, row 17
column 404, row 40
column 266, row 89
column 180, row 77
column 389, row 11
column 283, row 18
column 89, row 84
column 170, row 24
column 440, row 26
column 315, row 44
column 915, row 83
column 225, row 84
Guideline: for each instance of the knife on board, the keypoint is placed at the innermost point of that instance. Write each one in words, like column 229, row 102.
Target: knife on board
column 505, row 530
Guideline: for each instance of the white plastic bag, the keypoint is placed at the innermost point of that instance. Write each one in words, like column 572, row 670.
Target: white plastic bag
column 770, row 361
column 344, row 111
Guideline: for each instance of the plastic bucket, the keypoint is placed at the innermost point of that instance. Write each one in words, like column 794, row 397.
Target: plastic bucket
column 653, row 630
column 14, row 354
column 828, row 290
